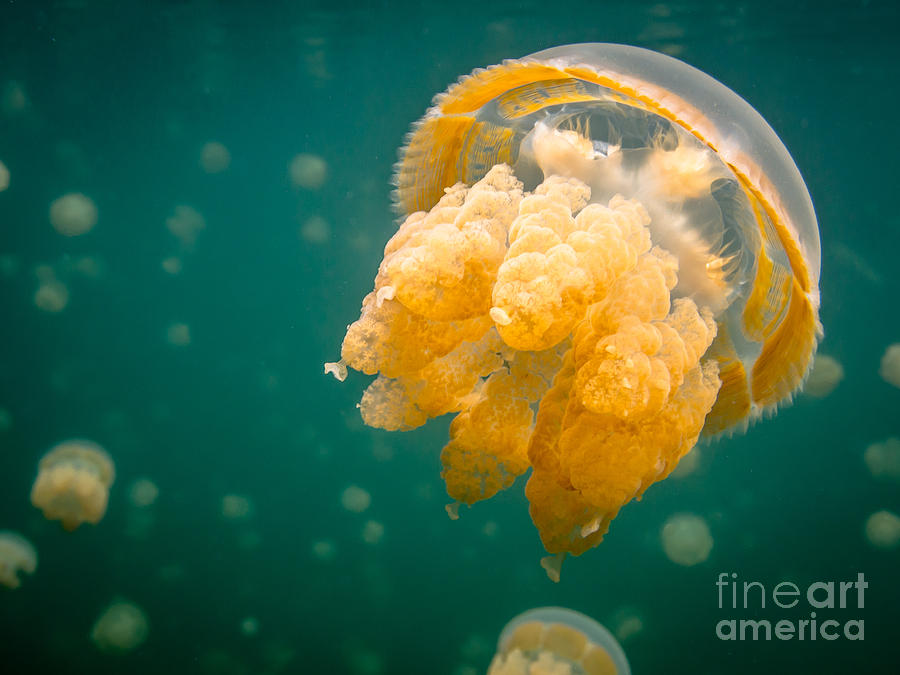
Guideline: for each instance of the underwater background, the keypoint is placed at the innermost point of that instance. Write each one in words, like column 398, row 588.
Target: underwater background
column 194, row 355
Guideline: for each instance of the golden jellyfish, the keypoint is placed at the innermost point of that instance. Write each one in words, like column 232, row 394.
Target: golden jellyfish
column 686, row 539
column 17, row 556
column 556, row 641
column 214, row 157
column 883, row 459
column 605, row 253
column 73, row 214
column 824, row 376
column 890, row 365
column 143, row 493
column 882, row 529
column 4, row 177
column 308, row 171
column 123, row 626
column 355, row 499
column 52, row 295
column 73, row 483
column 185, row 224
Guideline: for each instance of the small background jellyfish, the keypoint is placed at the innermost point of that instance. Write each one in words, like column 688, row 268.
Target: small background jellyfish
column 686, row 539
column 554, row 640
column 73, row 483
column 17, row 556
column 73, row 214
column 121, row 627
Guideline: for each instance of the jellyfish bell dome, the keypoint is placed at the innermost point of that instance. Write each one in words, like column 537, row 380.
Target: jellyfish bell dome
column 546, row 640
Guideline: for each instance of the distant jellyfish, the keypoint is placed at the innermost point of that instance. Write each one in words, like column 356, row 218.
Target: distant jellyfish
column 315, row 230
column 122, row 627
column 214, row 157
column 308, row 171
column 172, row 265
column 13, row 100
column 143, row 492
column 250, row 626
column 6, row 420
column 557, row 641
column 178, row 334
column 4, row 177
column 186, row 224
column 73, row 214
column 373, row 531
column 686, row 539
column 883, row 459
column 890, row 365
column 324, row 550
column 883, row 529
column 355, row 499
column 688, row 463
column 826, row 374
column 52, row 295
column 236, row 507
column 73, row 483
column 17, row 556
column 627, row 623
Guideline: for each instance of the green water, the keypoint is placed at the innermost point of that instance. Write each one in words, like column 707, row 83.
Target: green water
column 120, row 99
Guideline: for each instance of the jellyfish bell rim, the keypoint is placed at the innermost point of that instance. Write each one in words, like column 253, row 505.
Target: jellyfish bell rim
column 735, row 129
column 592, row 629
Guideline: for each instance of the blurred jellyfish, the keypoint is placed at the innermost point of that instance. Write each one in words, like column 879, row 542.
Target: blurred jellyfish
column 490, row 529
column 122, row 627
column 250, row 626
column 236, row 507
column 88, row 266
column 373, row 531
column 143, row 492
column 315, row 230
column 178, row 334
column 73, row 482
column 308, row 171
column 883, row 529
column 826, row 374
column 626, row 623
column 172, row 265
column 324, row 550
column 9, row 265
column 17, row 555
column 688, row 463
column 890, row 365
column 355, row 499
column 51, row 295
column 6, row 420
column 73, row 214
column 186, row 224
column 214, row 157
column 883, row 459
column 686, row 539
column 4, row 177
column 14, row 99
column 557, row 641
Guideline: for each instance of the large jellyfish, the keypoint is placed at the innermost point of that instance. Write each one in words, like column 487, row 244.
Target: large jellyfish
column 605, row 253
column 556, row 641
column 73, row 483
column 17, row 556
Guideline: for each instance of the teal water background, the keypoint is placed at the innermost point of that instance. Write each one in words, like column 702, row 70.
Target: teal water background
column 122, row 96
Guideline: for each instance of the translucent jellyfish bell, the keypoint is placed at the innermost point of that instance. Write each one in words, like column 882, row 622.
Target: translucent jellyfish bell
column 73, row 483
column 603, row 235
column 551, row 640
